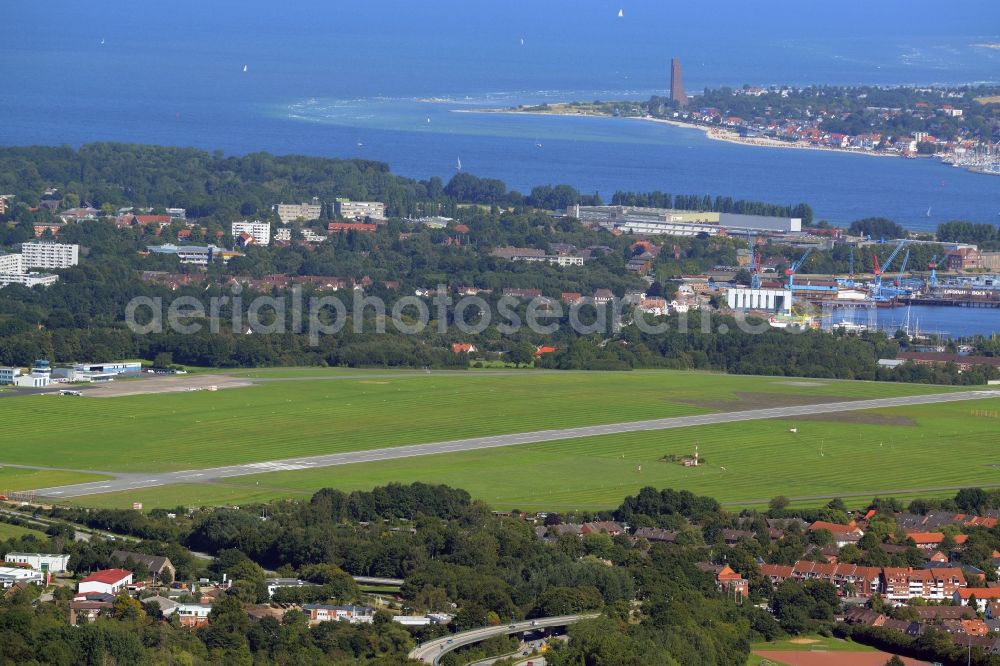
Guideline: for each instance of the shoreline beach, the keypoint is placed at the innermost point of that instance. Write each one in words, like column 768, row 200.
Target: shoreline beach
column 713, row 133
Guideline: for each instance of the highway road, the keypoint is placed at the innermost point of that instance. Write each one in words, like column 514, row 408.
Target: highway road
column 432, row 651
column 135, row 481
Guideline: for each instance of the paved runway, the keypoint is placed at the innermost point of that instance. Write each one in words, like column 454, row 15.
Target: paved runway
column 133, row 481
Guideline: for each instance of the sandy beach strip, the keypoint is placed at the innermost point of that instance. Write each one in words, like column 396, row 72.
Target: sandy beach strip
column 714, row 133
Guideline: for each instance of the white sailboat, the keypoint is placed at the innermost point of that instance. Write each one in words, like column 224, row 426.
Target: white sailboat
column 102, row 41
column 458, row 166
column 245, row 67
column 621, row 13
column 928, row 211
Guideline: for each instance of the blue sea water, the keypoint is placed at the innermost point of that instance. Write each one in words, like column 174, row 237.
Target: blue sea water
column 382, row 79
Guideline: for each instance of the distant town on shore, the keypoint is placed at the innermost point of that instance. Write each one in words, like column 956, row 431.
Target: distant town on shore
column 953, row 124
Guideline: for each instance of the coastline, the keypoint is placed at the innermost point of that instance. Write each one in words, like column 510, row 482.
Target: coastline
column 713, row 133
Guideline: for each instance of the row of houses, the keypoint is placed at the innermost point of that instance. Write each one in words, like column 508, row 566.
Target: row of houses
column 893, row 583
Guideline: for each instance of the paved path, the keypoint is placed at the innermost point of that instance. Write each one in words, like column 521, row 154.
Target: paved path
column 432, row 651
column 134, row 481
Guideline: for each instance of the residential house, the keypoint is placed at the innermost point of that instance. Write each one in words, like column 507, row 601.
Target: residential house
column 83, row 611
column 193, row 615
column 656, row 535
column 727, row 580
column 609, row 527
column 527, row 294
column 842, row 534
column 167, row 606
column 157, row 565
column 926, row 540
column 603, row 296
column 984, row 596
column 463, row 348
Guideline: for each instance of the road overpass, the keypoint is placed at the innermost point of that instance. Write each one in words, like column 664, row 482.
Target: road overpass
column 432, row 651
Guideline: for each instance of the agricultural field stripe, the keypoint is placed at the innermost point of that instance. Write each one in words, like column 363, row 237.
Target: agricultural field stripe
column 146, row 480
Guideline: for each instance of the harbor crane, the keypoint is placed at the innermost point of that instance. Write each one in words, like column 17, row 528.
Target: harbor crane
column 932, row 264
column 878, row 270
column 794, row 268
column 902, row 268
column 755, row 268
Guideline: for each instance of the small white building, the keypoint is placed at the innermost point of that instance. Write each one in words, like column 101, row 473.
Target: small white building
column 274, row 584
column 352, row 614
column 12, row 575
column 39, row 377
column 28, row 279
column 45, row 562
column 106, row 581
column 422, row 620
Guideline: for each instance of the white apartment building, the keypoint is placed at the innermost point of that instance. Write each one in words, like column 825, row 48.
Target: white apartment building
column 261, row 231
column 303, row 211
column 11, row 263
column 8, row 375
column 28, row 279
column 283, row 234
column 359, row 210
column 40, row 561
column 49, row 255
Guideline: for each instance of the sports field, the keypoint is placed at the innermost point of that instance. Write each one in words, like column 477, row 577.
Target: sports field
column 306, row 415
column 820, row 651
column 928, row 450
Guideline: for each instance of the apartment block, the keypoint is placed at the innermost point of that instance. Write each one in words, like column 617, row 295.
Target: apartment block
column 259, row 231
column 304, row 211
column 49, row 255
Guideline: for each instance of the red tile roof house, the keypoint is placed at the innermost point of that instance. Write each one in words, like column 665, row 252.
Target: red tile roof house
column 842, row 534
column 983, row 595
column 726, row 580
column 463, row 348
column 926, row 540
column 107, row 581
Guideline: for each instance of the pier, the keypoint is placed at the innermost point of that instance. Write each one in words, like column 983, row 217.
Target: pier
column 951, row 302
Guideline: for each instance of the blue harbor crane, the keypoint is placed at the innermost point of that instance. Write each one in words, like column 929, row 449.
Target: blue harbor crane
column 794, row 268
column 932, row 264
column 879, row 270
column 755, row 268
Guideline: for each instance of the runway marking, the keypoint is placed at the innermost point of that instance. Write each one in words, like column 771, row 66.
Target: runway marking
column 516, row 439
